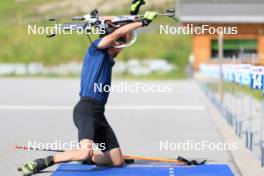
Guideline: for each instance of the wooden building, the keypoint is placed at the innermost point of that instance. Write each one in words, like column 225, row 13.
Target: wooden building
column 247, row 45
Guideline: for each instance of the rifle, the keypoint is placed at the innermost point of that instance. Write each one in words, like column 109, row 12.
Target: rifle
column 104, row 24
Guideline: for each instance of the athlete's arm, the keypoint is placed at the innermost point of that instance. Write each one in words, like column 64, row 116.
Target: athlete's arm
column 109, row 39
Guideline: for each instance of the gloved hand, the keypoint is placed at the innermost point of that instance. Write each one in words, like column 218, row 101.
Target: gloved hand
column 148, row 17
column 135, row 6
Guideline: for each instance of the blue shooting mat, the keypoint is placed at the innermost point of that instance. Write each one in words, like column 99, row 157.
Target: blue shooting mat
column 151, row 169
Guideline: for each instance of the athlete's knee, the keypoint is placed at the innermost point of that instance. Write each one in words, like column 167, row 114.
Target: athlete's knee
column 115, row 155
column 118, row 162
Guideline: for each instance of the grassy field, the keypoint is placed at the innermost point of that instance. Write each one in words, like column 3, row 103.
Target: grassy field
column 18, row 46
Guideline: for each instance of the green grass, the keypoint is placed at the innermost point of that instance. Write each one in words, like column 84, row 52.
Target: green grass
column 234, row 88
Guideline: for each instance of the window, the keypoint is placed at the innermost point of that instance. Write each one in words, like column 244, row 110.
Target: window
column 235, row 48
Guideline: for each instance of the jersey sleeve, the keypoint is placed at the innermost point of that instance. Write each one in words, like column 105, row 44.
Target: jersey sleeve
column 93, row 48
column 96, row 43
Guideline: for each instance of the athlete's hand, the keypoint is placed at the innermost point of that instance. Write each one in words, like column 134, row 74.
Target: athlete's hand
column 135, row 6
column 149, row 16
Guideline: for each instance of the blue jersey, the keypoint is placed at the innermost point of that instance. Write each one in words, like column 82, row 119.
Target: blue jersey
column 96, row 73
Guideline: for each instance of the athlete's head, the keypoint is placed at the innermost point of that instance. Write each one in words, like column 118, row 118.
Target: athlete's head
column 117, row 45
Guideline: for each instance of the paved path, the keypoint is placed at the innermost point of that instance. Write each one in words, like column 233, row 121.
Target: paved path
column 40, row 110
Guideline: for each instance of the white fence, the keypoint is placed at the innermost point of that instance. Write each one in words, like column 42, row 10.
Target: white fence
column 133, row 66
column 240, row 109
column 243, row 74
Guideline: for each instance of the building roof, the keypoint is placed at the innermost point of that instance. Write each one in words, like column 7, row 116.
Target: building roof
column 220, row 11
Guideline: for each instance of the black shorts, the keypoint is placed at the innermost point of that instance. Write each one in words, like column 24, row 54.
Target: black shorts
column 88, row 117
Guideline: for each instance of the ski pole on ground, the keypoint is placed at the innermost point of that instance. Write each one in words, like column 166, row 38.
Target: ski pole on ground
column 179, row 160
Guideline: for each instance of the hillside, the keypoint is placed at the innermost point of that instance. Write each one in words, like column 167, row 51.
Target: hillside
column 18, row 46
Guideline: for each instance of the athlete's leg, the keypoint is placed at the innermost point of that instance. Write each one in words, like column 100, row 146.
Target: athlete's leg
column 112, row 154
column 84, row 153
column 112, row 157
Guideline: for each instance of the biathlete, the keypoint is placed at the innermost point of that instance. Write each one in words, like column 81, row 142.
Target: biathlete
column 88, row 114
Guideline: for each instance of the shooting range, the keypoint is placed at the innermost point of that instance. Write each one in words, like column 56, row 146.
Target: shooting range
column 132, row 88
